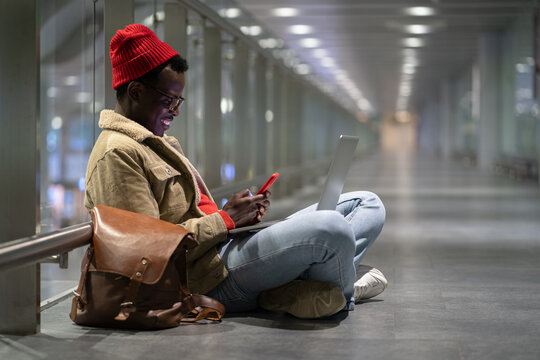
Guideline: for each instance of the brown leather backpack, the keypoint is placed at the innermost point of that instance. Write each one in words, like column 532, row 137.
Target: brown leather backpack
column 134, row 275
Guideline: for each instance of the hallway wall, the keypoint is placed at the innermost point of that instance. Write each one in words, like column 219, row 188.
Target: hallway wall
column 488, row 111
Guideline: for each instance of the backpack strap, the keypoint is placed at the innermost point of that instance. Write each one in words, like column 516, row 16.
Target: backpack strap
column 128, row 305
column 205, row 308
column 79, row 302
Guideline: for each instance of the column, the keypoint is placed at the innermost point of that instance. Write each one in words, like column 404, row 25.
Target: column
column 445, row 133
column 241, row 110
column 19, row 208
column 489, row 51
column 117, row 15
column 175, row 34
column 212, row 108
column 259, row 153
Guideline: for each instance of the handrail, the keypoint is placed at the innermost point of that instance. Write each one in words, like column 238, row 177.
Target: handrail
column 34, row 248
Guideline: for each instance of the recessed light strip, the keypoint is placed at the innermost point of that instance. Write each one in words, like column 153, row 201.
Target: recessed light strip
column 420, row 11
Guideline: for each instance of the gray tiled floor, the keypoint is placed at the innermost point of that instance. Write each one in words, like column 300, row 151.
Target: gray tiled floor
column 461, row 250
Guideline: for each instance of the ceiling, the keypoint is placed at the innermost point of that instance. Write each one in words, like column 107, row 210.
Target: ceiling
column 362, row 41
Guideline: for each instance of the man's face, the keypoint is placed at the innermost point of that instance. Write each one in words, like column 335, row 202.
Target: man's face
column 153, row 106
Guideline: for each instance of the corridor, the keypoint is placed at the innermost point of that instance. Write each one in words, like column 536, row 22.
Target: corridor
column 460, row 249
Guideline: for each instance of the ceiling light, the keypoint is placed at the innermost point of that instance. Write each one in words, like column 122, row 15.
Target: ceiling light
column 71, row 80
column 56, row 123
column 285, row 12
column 328, row 62
column 300, row 29
column 522, row 68
column 364, row 104
column 420, row 11
column 230, row 13
column 408, row 69
column 254, row 30
column 413, row 42
column 310, row 43
column 302, row 69
column 270, row 43
column 52, row 92
column 418, row 29
column 269, row 116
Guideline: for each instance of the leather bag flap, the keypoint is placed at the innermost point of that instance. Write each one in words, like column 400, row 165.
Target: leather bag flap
column 123, row 240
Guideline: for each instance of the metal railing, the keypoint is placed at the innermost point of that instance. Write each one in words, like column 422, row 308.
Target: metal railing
column 34, row 248
column 38, row 247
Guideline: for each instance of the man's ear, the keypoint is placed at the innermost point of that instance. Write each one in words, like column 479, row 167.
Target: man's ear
column 134, row 91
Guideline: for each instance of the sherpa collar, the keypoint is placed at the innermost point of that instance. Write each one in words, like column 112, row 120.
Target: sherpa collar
column 109, row 119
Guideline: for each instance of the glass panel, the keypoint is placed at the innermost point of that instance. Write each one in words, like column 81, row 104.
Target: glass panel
column 467, row 124
column 228, row 130
column 526, row 108
column 67, row 97
column 519, row 107
column 150, row 14
column 195, row 91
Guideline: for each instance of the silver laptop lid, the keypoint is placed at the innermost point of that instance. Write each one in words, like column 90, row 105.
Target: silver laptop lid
column 338, row 172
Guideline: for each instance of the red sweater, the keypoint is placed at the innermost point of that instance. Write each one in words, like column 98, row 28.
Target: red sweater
column 208, row 207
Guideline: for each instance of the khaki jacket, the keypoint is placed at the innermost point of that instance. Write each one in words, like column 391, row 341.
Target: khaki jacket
column 132, row 169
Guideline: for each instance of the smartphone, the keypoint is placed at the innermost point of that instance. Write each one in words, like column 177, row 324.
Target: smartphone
column 268, row 183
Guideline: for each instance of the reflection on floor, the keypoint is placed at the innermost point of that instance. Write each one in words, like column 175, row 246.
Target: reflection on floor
column 460, row 249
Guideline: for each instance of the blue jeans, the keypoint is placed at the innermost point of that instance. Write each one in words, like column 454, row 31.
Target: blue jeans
column 320, row 245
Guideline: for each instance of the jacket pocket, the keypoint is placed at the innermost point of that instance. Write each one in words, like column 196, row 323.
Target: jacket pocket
column 168, row 188
column 163, row 172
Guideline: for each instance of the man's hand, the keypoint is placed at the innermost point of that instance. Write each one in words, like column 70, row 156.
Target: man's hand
column 245, row 209
column 262, row 207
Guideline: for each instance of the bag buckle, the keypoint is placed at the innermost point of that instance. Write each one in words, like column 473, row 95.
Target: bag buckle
column 79, row 298
column 125, row 309
column 128, row 306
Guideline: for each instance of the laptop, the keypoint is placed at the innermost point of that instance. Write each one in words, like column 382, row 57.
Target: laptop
column 333, row 186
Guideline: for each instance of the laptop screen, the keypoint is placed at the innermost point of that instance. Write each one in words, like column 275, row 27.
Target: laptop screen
column 337, row 174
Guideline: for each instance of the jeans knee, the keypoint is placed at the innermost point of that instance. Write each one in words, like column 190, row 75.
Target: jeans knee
column 373, row 201
column 331, row 227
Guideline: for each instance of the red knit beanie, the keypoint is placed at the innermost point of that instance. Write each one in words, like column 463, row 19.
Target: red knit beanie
column 135, row 51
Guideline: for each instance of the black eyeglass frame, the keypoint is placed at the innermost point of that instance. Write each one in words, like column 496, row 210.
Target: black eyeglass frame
column 176, row 102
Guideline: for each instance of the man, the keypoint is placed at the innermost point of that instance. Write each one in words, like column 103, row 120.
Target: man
column 304, row 266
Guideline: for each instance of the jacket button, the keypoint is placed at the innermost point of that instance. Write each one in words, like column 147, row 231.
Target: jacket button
column 168, row 171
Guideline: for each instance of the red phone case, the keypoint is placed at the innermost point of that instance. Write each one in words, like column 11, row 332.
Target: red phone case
column 268, row 183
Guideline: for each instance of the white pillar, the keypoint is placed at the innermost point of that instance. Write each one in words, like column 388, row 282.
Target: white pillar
column 117, row 15
column 489, row 52
column 212, row 106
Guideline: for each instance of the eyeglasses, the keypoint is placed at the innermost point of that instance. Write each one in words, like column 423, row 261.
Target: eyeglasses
column 174, row 102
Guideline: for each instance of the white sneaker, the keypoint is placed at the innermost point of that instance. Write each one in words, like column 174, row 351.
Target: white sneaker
column 371, row 283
